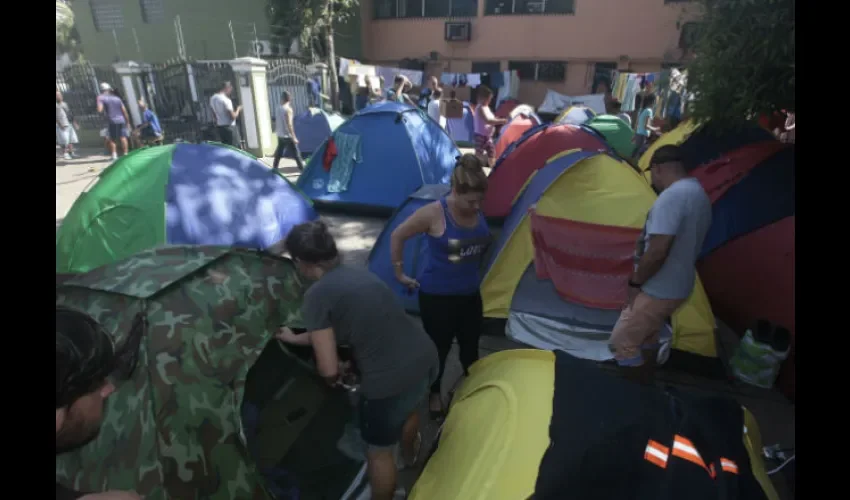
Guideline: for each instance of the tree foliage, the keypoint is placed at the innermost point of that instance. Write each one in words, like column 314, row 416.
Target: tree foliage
column 67, row 39
column 744, row 59
column 307, row 20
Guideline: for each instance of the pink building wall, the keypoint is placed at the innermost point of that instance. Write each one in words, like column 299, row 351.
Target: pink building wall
column 646, row 31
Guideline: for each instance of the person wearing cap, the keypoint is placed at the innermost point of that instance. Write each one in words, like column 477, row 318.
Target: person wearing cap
column 285, row 130
column 225, row 115
column 665, row 256
column 85, row 359
column 117, row 119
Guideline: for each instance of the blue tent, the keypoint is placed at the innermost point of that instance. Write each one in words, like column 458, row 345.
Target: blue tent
column 461, row 129
column 383, row 154
column 415, row 250
column 314, row 126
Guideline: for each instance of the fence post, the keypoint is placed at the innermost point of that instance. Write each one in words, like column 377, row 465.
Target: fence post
column 128, row 72
column 254, row 96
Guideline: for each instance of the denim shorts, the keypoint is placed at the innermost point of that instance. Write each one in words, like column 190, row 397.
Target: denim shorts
column 382, row 420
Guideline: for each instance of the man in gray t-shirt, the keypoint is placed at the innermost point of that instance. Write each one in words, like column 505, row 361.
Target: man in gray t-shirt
column 665, row 256
column 352, row 307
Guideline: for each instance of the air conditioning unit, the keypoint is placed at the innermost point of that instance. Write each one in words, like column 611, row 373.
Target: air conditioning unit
column 458, row 31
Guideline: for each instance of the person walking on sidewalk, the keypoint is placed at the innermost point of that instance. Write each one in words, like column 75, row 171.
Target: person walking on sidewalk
column 117, row 119
column 449, row 296
column 665, row 258
column 66, row 127
column 350, row 306
column 285, row 130
column 225, row 115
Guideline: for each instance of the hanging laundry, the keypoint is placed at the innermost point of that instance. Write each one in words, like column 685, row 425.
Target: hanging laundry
column 448, row 78
column 497, row 80
column 474, row 79
column 330, row 154
column 388, row 74
column 348, row 146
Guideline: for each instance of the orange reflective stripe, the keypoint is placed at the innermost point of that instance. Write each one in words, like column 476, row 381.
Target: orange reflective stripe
column 683, row 448
column 656, row 453
column 728, row 465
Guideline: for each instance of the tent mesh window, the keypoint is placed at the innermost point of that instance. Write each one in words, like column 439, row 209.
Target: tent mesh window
column 107, row 15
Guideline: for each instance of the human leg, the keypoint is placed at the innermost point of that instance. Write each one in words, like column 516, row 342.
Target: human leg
column 278, row 152
column 634, row 340
column 380, row 465
column 296, row 153
column 470, row 322
column 437, row 321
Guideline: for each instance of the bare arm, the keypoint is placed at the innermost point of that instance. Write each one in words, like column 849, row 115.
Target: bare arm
column 490, row 118
column 99, row 105
column 418, row 223
column 324, row 349
column 654, row 257
column 291, row 126
column 126, row 116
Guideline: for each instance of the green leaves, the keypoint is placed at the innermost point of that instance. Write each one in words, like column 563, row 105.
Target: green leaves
column 744, row 59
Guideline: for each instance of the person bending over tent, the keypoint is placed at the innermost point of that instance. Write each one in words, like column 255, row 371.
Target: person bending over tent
column 449, row 287
column 397, row 362
column 85, row 359
column 400, row 85
column 485, row 125
column 665, row 256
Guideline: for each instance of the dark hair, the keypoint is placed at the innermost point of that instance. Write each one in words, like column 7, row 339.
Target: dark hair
column 284, row 96
column 398, row 79
column 437, row 93
column 312, row 243
column 484, row 91
column 452, row 94
column 648, row 100
column 468, row 175
column 667, row 154
column 85, row 355
column 225, row 84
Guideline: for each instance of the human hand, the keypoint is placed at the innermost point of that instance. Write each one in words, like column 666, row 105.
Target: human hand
column 294, row 140
column 284, row 334
column 407, row 281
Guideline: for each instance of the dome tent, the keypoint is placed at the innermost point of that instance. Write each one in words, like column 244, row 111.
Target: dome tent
column 207, row 379
column 461, row 129
column 575, row 115
column 377, row 158
column 178, row 194
column 512, row 131
column 595, row 201
column 617, row 133
column 528, row 154
column 313, row 126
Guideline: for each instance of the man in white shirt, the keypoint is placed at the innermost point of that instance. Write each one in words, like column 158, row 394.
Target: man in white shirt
column 286, row 139
column 225, row 115
column 434, row 107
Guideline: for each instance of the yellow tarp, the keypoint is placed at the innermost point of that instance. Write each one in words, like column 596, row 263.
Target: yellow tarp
column 596, row 190
column 497, row 431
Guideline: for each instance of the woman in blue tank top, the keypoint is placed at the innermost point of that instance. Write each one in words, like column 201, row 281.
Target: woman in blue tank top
column 449, row 296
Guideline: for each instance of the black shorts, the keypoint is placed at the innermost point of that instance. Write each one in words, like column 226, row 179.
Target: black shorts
column 382, row 420
column 115, row 131
column 229, row 134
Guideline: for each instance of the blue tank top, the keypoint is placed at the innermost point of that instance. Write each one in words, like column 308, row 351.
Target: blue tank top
column 454, row 259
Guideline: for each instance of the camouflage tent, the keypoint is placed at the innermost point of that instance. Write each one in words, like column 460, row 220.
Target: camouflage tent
column 176, row 428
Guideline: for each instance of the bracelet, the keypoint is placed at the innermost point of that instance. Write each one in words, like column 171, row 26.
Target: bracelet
column 398, row 264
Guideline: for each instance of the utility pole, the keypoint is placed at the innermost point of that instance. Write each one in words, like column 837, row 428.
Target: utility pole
column 233, row 40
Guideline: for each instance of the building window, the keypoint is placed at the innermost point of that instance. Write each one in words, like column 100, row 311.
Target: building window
column 392, row 9
column 677, row 1
column 152, row 11
column 602, row 72
column 540, row 71
column 107, row 15
column 515, row 7
column 671, row 65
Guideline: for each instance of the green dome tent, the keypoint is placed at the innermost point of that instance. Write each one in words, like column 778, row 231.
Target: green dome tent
column 211, row 408
column 616, row 132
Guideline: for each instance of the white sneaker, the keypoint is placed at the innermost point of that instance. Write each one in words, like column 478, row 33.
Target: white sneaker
column 67, row 156
column 114, row 157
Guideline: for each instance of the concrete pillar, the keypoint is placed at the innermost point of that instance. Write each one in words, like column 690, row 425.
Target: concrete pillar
column 253, row 91
column 129, row 73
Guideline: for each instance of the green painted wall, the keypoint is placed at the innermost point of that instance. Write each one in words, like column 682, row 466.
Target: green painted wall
column 205, row 31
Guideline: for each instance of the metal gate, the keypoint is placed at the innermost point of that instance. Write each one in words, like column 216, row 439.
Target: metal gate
column 180, row 91
column 80, row 86
column 290, row 75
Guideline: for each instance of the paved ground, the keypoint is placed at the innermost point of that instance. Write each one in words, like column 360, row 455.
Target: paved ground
column 355, row 237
